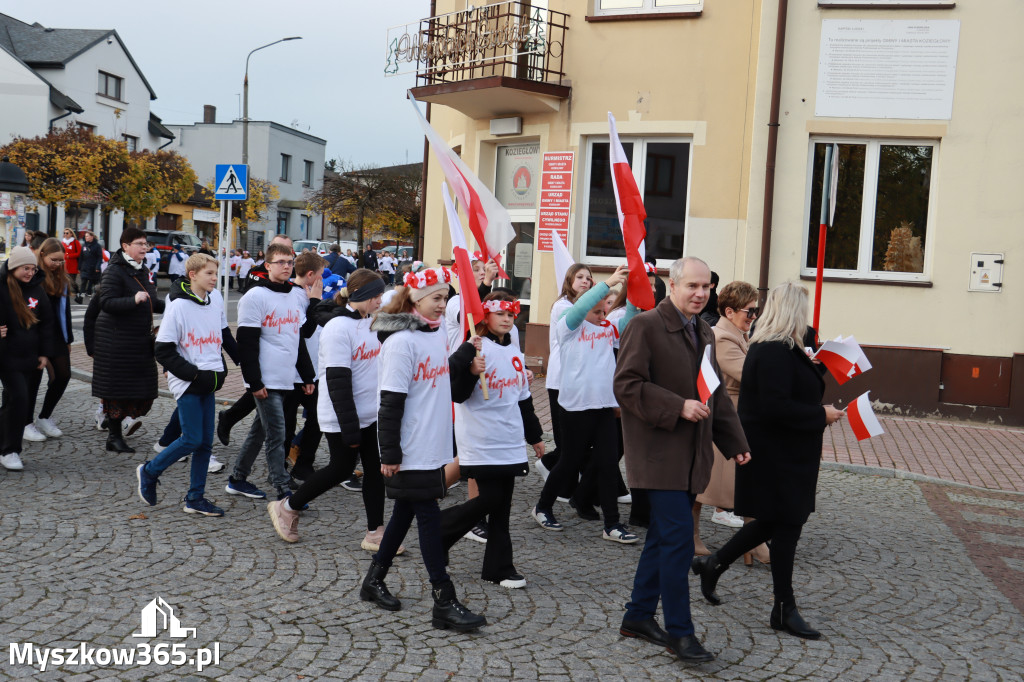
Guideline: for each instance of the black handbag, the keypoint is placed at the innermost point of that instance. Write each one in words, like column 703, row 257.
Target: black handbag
column 416, row 485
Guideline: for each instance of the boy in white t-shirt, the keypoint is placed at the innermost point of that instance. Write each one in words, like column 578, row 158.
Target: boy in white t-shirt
column 244, row 266
column 188, row 346
column 270, row 319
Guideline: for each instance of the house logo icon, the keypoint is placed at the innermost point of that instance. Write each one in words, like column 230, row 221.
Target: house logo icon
column 158, row 615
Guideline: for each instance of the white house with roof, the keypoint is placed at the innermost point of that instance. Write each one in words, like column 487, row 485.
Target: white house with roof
column 82, row 77
column 290, row 159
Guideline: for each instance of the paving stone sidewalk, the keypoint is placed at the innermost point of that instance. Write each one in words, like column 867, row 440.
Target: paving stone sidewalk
column 893, row 584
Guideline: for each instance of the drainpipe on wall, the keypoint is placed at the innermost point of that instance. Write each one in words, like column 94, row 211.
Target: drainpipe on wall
column 423, row 174
column 773, row 143
column 54, row 120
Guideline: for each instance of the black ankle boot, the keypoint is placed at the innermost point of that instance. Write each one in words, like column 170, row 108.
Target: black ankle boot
column 375, row 590
column 449, row 613
column 786, row 617
column 710, row 569
column 115, row 441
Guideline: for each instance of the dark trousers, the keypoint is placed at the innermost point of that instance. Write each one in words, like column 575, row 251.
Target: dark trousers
column 16, row 407
column 310, row 439
column 87, row 285
column 587, row 431
column 665, row 563
column 239, row 411
column 428, row 521
column 343, row 462
column 56, row 385
column 550, row 459
column 495, row 503
column 783, row 538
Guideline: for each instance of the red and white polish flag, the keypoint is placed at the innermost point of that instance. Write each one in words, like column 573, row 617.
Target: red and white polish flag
column 862, row 418
column 840, row 358
column 631, row 219
column 707, row 380
column 469, row 296
column 862, row 364
column 489, row 221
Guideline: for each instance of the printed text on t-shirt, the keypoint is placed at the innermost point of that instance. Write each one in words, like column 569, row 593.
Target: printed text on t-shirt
column 200, row 342
column 272, row 321
column 427, row 372
column 594, row 337
column 360, row 353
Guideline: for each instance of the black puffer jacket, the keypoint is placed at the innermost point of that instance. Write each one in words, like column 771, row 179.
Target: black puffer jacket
column 123, row 364
column 21, row 349
column 90, row 260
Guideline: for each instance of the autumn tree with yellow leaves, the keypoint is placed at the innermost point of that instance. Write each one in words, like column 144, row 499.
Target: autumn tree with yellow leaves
column 72, row 164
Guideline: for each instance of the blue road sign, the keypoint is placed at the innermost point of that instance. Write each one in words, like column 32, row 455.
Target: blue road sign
column 231, row 181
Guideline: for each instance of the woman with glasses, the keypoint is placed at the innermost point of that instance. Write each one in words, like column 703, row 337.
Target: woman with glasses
column 124, row 367
column 57, row 286
column 737, row 306
column 26, row 341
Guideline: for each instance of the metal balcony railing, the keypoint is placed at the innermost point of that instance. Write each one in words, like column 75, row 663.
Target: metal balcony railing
column 511, row 39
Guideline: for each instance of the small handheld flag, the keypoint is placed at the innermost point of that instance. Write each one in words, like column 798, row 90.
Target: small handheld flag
column 843, row 358
column 862, row 418
column 707, row 380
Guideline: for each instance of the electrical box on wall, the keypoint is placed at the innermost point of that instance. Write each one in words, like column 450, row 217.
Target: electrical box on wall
column 986, row 272
column 507, row 126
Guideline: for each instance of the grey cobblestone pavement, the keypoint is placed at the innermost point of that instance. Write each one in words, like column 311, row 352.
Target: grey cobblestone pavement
column 892, row 584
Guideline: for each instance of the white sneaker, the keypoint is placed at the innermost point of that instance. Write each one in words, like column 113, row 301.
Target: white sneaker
column 157, row 448
column 625, row 499
column 215, row 465
column 131, row 425
column 11, row 462
column 541, row 469
column 33, row 434
column 727, row 518
column 100, row 418
column 48, row 428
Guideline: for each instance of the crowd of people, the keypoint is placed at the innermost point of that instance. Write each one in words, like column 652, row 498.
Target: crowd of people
column 402, row 387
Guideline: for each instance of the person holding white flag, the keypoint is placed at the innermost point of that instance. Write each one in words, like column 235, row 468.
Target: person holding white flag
column 783, row 418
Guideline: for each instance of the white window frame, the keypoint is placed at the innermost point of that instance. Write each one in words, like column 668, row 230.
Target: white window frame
column 648, row 7
column 104, row 78
column 638, row 168
column 867, row 212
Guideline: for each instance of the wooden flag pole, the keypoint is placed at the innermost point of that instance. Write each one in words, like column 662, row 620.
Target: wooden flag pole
column 483, row 377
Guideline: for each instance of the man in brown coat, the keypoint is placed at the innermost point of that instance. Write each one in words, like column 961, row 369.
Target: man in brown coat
column 668, row 434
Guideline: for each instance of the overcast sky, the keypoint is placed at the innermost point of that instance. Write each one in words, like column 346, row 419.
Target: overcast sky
column 330, row 84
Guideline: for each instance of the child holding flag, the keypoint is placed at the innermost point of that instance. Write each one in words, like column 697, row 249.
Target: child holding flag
column 415, row 435
column 586, row 341
column 490, row 434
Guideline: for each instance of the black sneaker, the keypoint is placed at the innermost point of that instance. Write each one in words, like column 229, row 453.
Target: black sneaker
column 478, row 533
column 354, row 484
column 243, row 487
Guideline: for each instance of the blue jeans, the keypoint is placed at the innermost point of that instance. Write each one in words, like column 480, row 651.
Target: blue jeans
column 665, row 563
column 172, row 430
column 268, row 427
column 196, row 413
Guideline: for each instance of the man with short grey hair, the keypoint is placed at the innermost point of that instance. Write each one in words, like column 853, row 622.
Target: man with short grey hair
column 667, row 432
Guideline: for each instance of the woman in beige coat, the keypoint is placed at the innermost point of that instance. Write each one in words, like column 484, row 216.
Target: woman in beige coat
column 737, row 303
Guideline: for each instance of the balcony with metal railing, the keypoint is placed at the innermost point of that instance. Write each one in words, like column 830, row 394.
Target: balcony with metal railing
column 502, row 58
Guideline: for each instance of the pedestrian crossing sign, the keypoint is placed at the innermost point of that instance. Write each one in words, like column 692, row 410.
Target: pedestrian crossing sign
column 231, row 181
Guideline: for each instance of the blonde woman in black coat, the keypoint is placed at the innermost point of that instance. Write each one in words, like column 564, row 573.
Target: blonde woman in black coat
column 783, row 418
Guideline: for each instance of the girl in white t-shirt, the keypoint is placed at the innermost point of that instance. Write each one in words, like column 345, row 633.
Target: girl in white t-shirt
column 586, row 341
column 346, row 406
column 490, row 435
column 577, row 281
column 415, row 435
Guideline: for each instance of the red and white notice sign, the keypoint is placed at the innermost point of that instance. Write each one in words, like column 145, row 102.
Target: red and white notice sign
column 555, row 199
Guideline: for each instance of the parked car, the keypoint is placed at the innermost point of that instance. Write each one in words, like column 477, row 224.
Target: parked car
column 323, row 248
column 165, row 241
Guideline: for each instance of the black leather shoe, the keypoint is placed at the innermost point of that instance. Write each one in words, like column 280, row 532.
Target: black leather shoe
column 644, row 629
column 448, row 612
column 786, row 617
column 374, row 589
column 689, row 649
column 117, row 444
column 709, row 570
column 583, row 511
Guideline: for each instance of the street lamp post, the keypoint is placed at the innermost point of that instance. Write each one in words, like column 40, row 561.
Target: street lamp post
column 245, row 98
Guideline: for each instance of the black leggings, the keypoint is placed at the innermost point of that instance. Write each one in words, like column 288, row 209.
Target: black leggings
column 310, row 439
column 239, row 411
column 783, row 538
column 550, row 459
column 343, row 462
column 16, row 407
column 428, row 521
column 55, row 388
column 495, row 503
column 587, row 431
